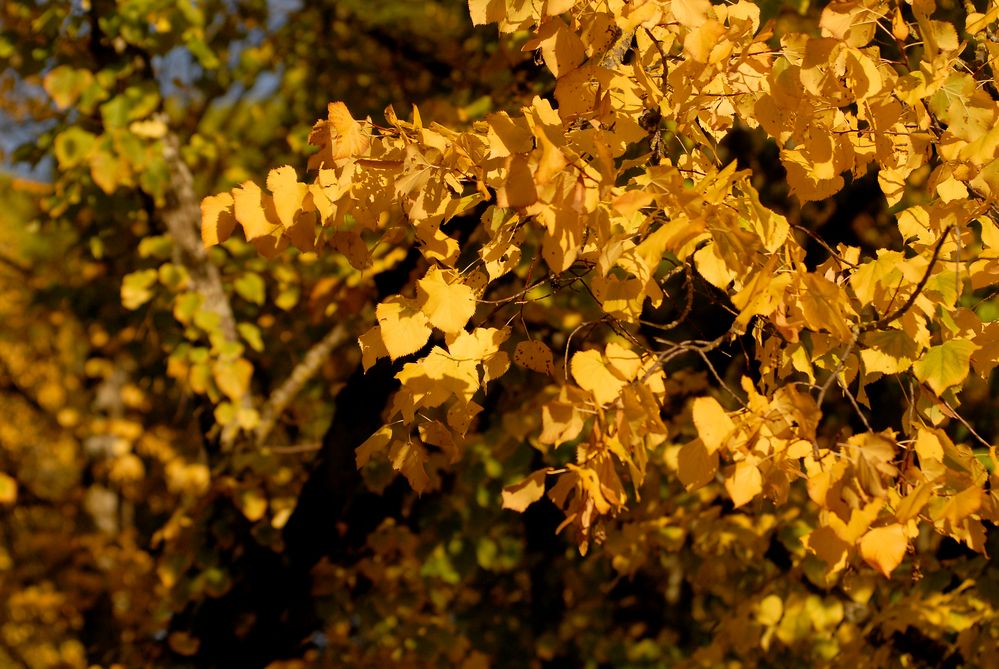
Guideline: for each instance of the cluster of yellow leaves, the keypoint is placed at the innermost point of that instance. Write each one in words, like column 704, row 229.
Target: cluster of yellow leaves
column 589, row 187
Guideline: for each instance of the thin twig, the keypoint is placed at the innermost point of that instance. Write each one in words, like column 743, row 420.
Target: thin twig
column 965, row 423
column 687, row 307
column 824, row 245
column 718, row 378
column 853, row 401
column 662, row 57
column 898, row 313
column 839, row 368
column 296, row 449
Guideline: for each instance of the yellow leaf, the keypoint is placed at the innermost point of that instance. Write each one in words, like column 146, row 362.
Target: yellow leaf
column 519, row 496
column 8, row 489
column 560, row 420
column 744, row 483
column 913, row 503
column 828, row 547
column 252, row 503
column 507, row 136
column 482, row 345
column 352, row 138
column 761, row 294
column 352, row 246
column 486, row 11
column 233, row 377
column 824, row 305
column 712, row 423
column 695, row 465
column 373, row 444
column 961, row 505
column 518, row 190
column 372, row 347
column 623, row 360
column 534, row 355
column 434, row 379
column 565, row 229
column 690, row 13
column 254, row 211
column 770, row 610
column 712, row 266
column 884, row 547
column 217, row 220
column 591, row 373
column 447, row 306
column 561, row 47
column 288, row 193
column 945, row 365
column 403, row 326
column 408, row 457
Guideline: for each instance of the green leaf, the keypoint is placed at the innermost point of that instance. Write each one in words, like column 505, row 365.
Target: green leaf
column 73, row 146
column 251, row 288
column 64, row 85
column 136, row 288
column 159, row 246
column 251, row 335
column 945, row 365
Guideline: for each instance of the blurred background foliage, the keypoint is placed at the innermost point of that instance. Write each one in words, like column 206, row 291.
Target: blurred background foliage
column 130, row 537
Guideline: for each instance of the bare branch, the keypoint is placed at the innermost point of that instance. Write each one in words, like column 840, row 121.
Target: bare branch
column 687, row 306
column 303, row 372
column 965, row 423
column 821, row 242
column 853, row 401
column 835, row 373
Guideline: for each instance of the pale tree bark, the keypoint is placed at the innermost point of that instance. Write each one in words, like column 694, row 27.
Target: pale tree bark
column 182, row 216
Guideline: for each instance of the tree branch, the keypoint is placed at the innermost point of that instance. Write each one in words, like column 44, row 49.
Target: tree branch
column 182, row 215
column 12, row 264
column 898, row 313
column 303, row 372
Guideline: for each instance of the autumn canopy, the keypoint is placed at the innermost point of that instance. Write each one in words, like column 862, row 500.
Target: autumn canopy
column 628, row 334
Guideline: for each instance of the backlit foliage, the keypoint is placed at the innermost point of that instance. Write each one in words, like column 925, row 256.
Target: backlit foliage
column 589, row 201
column 685, row 314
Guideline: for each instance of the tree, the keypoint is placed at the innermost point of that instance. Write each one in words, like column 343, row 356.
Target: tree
column 682, row 354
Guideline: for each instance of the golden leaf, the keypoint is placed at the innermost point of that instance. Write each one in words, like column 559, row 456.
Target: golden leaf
column 217, row 220
column 448, row 306
column 372, row 347
column 288, row 193
column 828, row 547
column 519, row 496
column 913, row 503
column 403, row 326
column 352, row 138
column 591, row 373
column 534, row 355
column 255, row 211
column 518, row 190
column 884, row 547
column 824, row 305
column 712, row 422
column 744, row 483
column 409, row 457
column 232, row 377
column 696, row 466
